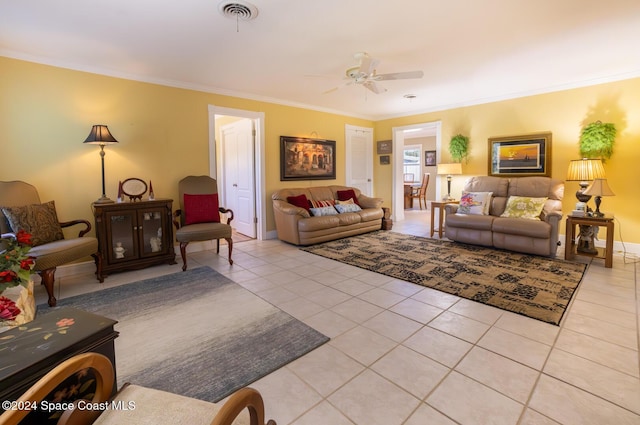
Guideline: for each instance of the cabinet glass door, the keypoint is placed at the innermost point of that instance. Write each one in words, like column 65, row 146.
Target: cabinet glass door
column 151, row 227
column 122, row 237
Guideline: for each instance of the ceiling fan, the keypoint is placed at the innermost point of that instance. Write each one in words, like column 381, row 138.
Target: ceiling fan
column 365, row 74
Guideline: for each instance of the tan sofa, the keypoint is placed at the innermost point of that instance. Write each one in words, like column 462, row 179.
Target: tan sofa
column 539, row 237
column 297, row 226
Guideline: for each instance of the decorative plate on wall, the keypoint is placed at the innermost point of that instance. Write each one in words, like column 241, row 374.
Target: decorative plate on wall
column 134, row 188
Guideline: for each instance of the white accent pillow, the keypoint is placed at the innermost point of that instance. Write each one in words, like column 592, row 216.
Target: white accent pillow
column 342, row 208
column 321, row 211
column 477, row 203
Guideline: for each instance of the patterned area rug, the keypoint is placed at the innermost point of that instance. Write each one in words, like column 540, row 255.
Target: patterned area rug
column 196, row 333
column 533, row 286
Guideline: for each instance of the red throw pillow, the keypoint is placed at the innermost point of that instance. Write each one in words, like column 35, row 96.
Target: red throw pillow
column 345, row 195
column 299, row 201
column 201, row 209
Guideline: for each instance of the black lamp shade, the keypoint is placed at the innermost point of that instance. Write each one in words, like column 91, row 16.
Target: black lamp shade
column 100, row 135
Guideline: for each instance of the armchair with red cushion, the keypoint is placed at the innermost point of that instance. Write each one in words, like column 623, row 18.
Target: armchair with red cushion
column 198, row 218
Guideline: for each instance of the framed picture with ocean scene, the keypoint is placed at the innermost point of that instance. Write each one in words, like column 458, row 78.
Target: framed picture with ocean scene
column 526, row 155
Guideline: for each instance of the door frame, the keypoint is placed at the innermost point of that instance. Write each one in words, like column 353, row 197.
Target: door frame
column 215, row 161
column 398, row 136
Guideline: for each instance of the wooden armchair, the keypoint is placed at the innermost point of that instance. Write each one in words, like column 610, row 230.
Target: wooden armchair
column 134, row 404
column 198, row 218
column 21, row 209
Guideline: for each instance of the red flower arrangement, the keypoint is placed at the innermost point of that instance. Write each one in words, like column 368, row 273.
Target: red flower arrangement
column 8, row 309
column 16, row 266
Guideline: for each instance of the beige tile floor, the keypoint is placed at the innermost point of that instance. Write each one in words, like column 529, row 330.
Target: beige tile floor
column 404, row 354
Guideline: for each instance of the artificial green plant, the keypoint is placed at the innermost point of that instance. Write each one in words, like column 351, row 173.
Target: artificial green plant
column 459, row 147
column 597, row 139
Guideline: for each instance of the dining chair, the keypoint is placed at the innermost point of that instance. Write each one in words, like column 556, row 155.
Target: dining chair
column 420, row 193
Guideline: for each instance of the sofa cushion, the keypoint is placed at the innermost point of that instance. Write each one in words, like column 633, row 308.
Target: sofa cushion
column 524, row 207
column 344, row 208
column 465, row 221
column 40, row 220
column 201, row 208
column 477, row 203
column 312, row 224
column 349, row 218
column 322, row 203
column 519, row 227
column 345, row 195
column 299, row 201
column 370, row 214
column 323, row 211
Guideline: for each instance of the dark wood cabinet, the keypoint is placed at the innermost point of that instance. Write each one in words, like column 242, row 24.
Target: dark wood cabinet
column 134, row 235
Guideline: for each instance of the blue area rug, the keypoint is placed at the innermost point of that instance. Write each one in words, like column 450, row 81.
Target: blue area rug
column 196, row 333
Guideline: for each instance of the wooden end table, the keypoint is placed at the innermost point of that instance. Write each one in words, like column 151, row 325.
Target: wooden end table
column 571, row 249
column 439, row 205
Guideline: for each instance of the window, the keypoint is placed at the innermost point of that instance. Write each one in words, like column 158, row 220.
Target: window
column 412, row 161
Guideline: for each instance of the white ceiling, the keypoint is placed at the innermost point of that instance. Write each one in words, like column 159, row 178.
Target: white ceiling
column 471, row 51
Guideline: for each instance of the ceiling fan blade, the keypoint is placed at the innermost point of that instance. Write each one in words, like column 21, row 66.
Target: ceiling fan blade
column 399, row 75
column 374, row 87
column 348, row 83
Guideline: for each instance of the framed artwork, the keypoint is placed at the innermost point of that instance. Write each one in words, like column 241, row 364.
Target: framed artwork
column 526, row 155
column 385, row 160
column 384, row 147
column 307, row 159
column 430, row 158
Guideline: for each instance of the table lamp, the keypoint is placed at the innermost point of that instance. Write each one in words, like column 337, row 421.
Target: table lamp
column 101, row 136
column 449, row 170
column 598, row 188
column 583, row 171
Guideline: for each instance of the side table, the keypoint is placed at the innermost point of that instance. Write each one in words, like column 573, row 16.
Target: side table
column 571, row 249
column 439, row 205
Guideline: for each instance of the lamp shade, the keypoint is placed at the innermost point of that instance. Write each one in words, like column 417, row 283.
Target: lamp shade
column 599, row 187
column 449, row 169
column 100, row 135
column 585, row 170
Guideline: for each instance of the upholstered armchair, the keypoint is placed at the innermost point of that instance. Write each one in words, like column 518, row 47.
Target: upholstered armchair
column 21, row 209
column 198, row 218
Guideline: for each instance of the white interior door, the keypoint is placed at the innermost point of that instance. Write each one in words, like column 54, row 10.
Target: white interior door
column 239, row 187
column 359, row 158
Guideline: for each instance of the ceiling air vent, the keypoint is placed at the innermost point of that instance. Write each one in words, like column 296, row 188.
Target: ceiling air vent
column 238, row 10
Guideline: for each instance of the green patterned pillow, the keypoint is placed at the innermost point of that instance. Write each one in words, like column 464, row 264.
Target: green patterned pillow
column 40, row 220
column 524, row 207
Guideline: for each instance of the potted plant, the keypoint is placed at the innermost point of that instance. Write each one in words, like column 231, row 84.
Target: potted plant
column 596, row 140
column 459, row 147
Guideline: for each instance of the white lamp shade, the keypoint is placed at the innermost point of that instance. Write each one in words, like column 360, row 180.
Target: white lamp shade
column 599, row 187
column 449, row 169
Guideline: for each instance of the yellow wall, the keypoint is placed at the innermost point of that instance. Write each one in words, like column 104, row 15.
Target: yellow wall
column 564, row 114
column 47, row 112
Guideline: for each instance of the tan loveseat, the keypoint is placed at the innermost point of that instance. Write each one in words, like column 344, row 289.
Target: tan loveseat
column 539, row 237
column 297, row 226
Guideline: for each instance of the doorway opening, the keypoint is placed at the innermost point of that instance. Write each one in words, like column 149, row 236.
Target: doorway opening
column 236, row 161
column 429, row 136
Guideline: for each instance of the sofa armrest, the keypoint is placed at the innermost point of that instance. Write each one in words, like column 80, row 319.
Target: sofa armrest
column 82, row 232
column 369, row 202
column 286, row 208
column 287, row 216
column 451, row 208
